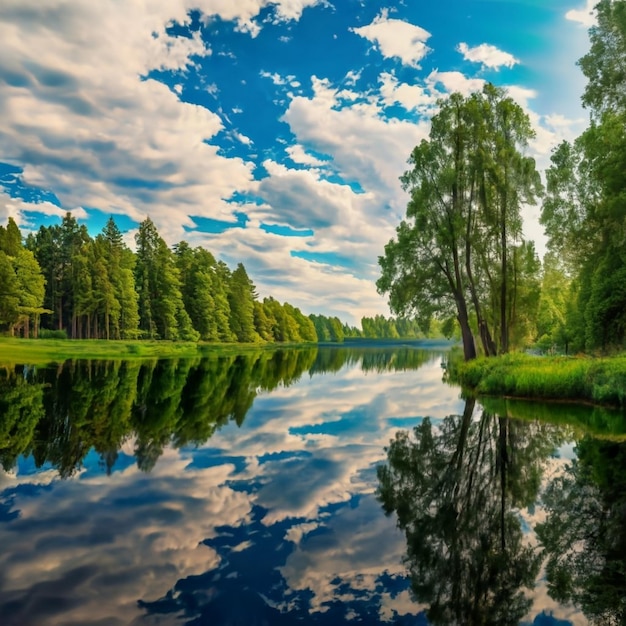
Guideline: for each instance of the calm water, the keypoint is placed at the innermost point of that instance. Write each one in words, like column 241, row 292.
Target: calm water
column 244, row 490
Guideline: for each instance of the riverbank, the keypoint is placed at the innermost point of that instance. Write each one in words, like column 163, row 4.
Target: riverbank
column 44, row 351
column 578, row 379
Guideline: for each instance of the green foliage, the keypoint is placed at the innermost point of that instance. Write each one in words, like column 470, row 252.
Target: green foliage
column 600, row 380
column 58, row 414
column 459, row 252
column 584, row 209
column 99, row 289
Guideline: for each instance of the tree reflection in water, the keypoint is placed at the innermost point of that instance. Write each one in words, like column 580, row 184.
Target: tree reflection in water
column 58, row 414
column 584, row 534
column 456, row 489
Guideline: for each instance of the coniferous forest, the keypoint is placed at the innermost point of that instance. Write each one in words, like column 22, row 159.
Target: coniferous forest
column 61, row 282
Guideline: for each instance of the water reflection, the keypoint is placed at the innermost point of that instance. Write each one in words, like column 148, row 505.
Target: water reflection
column 279, row 509
column 457, row 490
column 585, row 532
column 59, row 414
column 243, row 490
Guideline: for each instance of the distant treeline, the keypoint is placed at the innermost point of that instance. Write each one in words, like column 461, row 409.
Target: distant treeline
column 62, row 282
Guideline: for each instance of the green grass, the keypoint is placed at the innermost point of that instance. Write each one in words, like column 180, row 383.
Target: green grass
column 43, row 351
column 596, row 380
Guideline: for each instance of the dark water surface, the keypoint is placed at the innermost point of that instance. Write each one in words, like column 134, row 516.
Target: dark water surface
column 244, row 490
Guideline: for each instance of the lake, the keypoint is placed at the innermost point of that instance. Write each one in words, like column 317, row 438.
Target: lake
column 264, row 488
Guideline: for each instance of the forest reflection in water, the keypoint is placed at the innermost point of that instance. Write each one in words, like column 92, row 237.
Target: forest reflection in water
column 243, row 489
column 58, row 414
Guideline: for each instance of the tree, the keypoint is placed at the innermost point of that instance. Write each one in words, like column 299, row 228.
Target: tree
column 9, row 293
column 584, row 213
column 241, row 297
column 119, row 261
column 31, row 286
column 10, row 238
column 161, row 309
column 451, row 256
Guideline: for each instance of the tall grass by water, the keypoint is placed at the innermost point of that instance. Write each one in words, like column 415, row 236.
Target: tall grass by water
column 586, row 379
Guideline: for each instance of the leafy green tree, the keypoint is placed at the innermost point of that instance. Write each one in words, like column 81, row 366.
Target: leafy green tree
column 467, row 184
column 120, row 304
column 31, row 286
column 306, row 328
column 583, row 213
column 263, row 323
column 10, row 238
column 9, row 293
column 284, row 326
column 204, row 293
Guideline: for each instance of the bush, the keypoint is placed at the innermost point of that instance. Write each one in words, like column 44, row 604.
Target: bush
column 52, row 334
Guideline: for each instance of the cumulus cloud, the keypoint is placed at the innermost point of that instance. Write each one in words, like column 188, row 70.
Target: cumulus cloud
column 487, row 55
column 585, row 16
column 82, row 121
column 454, row 81
column 299, row 155
column 411, row 97
column 396, row 38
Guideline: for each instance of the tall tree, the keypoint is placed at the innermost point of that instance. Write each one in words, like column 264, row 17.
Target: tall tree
column 584, row 213
column 241, row 297
column 161, row 309
column 467, row 184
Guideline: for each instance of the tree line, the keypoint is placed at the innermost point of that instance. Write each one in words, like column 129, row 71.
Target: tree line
column 60, row 281
column 460, row 256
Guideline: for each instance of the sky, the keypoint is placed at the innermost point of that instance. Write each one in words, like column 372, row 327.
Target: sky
column 270, row 132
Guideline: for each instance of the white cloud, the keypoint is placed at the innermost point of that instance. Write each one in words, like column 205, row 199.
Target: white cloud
column 396, row 38
column 585, row 16
column 17, row 208
column 488, row 55
column 288, row 10
column 82, row 122
column 299, row 155
column 411, row 97
column 521, row 95
column 455, row 82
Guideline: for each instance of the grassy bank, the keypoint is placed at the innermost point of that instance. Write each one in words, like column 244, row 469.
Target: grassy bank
column 580, row 379
column 42, row 351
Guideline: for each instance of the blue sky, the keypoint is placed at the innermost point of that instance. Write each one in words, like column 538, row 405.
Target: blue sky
column 271, row 132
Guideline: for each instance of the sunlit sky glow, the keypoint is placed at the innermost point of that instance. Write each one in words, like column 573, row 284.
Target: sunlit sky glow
column 271, row 132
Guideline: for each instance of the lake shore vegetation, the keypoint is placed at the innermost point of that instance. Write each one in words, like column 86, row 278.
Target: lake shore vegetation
column 578, row 379
column 460, row 253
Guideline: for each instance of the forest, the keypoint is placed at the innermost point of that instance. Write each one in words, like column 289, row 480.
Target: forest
column 60, row 282
column 460, row 254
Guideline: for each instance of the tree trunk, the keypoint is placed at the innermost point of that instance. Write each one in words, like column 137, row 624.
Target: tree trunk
column 469, row 347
